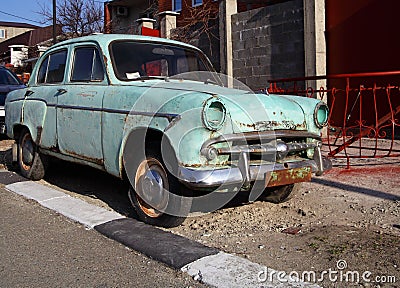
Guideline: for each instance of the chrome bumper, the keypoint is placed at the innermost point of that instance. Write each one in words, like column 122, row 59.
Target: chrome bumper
column 244, row 173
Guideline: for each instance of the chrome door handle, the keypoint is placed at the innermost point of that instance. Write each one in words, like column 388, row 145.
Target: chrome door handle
column 28, row 93
column 61, row 91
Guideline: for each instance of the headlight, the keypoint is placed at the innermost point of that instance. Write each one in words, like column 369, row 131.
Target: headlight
column 214, row 114
column 321, row 114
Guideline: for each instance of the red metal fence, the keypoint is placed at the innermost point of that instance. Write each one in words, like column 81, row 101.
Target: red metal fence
column 364, row 111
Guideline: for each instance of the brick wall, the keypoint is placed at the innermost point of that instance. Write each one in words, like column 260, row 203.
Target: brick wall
column 164, row 5
column 209, row 43
column 268, row 43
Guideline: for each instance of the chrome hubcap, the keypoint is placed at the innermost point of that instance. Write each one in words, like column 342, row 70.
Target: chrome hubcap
column 152, row 187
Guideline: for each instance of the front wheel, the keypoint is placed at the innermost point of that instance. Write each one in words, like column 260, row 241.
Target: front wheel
column 31, row 163
column 280, row 194
column 156, row 193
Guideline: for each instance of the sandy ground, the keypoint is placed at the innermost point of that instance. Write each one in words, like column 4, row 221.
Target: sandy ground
column 348, row 220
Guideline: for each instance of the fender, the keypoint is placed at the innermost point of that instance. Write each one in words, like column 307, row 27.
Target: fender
column 133, row 147
column 33, row 114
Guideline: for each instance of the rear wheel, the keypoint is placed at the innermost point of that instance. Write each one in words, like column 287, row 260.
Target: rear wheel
column 32, row 164
column 156, row 191
column 280, row 194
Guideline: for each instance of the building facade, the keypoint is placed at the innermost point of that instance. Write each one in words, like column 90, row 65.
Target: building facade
column 121, row 16
column 18, row 49
column 11, row 29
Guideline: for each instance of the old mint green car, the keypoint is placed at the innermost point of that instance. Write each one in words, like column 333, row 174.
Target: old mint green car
column 151, row 111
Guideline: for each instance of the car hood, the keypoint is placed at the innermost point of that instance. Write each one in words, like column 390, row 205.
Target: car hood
column 248, row 111
column 261, row 112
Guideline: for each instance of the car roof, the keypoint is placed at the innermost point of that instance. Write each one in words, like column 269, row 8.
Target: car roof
column 107, row 38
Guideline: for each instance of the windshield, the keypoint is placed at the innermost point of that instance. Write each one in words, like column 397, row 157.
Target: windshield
column 138, row 60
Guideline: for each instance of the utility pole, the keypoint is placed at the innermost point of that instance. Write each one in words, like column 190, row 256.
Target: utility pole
column 54, row 22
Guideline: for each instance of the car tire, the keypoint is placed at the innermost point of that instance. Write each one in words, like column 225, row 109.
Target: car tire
column 280, row 194
column 31, row 163
column 153, row 181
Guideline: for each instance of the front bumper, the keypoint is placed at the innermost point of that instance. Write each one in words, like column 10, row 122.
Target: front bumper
column 245, row 173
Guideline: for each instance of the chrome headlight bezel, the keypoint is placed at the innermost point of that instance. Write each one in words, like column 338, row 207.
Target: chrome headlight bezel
column 213, row 114
column 324, row 109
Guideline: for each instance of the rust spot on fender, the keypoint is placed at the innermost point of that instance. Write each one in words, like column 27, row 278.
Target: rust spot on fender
column 55, row 148
column 39, row 135
column 193, row 165
column 271, row 125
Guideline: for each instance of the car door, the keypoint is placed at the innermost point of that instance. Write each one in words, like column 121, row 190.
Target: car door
column 39, row 109
column 79, row 106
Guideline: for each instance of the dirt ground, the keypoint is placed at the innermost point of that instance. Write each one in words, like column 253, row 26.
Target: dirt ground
column 347, row 220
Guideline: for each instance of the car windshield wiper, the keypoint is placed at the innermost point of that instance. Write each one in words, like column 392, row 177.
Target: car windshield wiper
column 151, row 77
column 210, row 81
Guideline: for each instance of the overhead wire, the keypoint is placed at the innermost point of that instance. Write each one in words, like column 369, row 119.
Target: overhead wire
column 16, row 16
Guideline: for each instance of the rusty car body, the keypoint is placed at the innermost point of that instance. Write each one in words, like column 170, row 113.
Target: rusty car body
column 137, row 108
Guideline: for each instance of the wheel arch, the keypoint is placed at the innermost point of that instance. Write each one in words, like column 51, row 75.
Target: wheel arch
column 17, row 130
column 156, row 138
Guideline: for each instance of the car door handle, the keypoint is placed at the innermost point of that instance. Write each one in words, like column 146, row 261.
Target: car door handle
column 61, row 91
column 28, row 93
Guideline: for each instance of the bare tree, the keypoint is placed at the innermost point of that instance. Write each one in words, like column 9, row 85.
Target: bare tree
column 75, row 17
column 199, row 22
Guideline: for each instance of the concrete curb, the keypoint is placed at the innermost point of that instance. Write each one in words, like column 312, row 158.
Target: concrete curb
column 205, row 264
column 73, row 208
column 170, row 249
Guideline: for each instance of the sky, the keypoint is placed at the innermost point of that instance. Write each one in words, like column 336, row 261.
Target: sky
column 25, row 10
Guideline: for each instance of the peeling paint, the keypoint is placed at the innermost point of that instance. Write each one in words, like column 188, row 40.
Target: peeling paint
column 94, row 160
column 87, row 94
column 271, row 125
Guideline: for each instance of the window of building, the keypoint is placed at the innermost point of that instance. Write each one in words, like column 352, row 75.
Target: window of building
column 87, row 65
column 2, row 33
column 177, row 5
column 197, row 2
column 52, row 68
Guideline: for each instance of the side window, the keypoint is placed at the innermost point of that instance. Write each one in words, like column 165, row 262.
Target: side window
column 52, row 68
column 43, row 70
column 87, row 65
column 56, row 69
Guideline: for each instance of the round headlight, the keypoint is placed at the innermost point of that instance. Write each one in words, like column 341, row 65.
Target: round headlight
column 321, row 114
column 214, row 114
